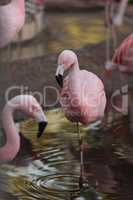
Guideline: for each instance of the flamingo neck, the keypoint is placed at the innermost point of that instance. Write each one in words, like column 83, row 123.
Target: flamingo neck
column 74, row 68
column 12, row 18
column 74, row 81
column 11, row 148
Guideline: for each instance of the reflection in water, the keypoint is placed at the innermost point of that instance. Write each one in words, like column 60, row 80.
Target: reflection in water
column 50, row 168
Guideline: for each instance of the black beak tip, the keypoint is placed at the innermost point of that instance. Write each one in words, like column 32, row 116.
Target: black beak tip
column 41, row 128
column 59, row 80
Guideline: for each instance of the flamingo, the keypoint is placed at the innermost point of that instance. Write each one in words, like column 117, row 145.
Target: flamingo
column 82, row 95
column 122, row 58
column 30, row 106
column 12, row 16
column 123, row 62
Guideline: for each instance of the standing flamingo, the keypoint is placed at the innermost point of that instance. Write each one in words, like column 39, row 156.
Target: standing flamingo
column 12, row 15
column 30, row 106
column 82, row 95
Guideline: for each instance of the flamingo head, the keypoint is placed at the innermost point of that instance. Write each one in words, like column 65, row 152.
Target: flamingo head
column 31, row 107
column 66, row 60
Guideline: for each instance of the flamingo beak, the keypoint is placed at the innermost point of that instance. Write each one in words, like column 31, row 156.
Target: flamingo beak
column 59, row 80
column 42, row 122
column 41, row 127
column 59, row 75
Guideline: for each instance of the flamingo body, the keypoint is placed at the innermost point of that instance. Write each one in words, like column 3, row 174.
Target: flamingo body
column 12, row 18
column 82, row 96
column 124, row 55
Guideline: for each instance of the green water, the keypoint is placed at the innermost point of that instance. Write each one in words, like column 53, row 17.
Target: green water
column 49, row 168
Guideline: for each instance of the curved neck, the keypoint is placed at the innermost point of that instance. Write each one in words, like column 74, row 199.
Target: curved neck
column 11, row 148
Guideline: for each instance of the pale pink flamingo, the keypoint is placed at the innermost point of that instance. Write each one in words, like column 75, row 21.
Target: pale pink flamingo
column 82, row 95
column 12, row 16
column 31, row 107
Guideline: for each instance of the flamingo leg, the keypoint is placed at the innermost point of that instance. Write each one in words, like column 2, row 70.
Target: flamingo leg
column 111, row 35
column 113, row 27
column 81, row 178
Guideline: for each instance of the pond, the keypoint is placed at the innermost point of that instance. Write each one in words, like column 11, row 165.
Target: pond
column 49, row 168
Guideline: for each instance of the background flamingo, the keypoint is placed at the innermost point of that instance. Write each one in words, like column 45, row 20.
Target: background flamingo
column 123, row 57
column 123, row 62
column 30, row 106
column 82, row 95
column 12, row 17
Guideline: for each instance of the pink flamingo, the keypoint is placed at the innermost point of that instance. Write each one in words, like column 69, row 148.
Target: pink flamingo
column 122, row 58
column 82, row 95
column 12, row 15
column 30, row 106
column 123, row 62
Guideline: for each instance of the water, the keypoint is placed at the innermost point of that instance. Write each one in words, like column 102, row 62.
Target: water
column 49, row 168
column 61, row 31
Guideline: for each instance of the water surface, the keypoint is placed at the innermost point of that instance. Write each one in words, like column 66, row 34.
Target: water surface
column 49, row 168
